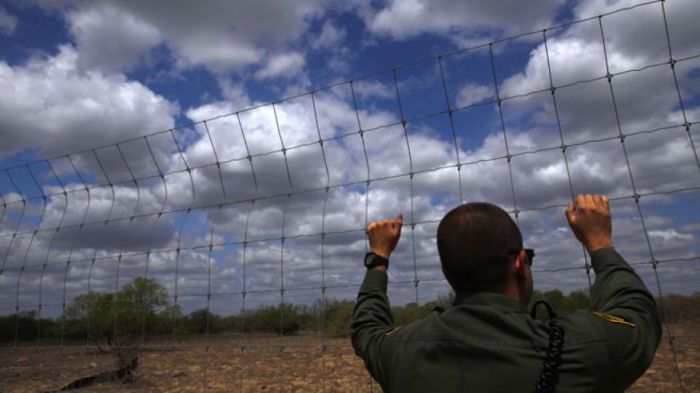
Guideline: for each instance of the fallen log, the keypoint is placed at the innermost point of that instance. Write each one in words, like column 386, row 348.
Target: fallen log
column 107, row 376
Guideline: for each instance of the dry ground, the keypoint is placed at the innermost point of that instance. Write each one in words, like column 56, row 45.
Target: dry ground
column 268, row 364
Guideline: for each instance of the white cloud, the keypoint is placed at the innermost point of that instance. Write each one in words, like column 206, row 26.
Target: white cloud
column 109, row 38
column 670, row 235
column 537, row 183
column 576, row 54
column 216, row 52
column 222, row 36
column 50, row 105
column 8, row 23
column 473, row 93
column 234, row 93
column 659, row 161
column 287, row 65
column 340, row 62
column 460, row 20
column 645, row 37
column 330, row 36
column 374, row 89
column 121, row 232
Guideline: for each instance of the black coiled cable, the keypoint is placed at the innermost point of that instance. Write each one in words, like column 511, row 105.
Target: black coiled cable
column 550, row 372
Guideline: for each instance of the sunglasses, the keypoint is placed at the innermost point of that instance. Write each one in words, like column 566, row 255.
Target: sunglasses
column 530, row 255
column 529, row 252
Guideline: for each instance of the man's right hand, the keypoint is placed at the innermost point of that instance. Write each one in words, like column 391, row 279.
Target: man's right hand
column 591, row 221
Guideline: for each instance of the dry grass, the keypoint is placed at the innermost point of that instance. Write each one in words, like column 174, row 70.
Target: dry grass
column 266, row 364
column 661, row 376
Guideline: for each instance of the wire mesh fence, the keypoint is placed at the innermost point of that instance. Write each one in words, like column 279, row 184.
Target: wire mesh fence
column 230, row 225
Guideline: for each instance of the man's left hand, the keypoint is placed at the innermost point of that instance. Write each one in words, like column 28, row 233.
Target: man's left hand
column 384, row 235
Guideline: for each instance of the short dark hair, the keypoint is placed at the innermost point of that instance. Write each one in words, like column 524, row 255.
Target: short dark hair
column 477, row 242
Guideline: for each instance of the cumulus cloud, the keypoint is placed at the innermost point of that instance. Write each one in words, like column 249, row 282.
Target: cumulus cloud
column 286, row 65
column 329, row 37
column 48, row 104
column 645, row 39
column 223, row 36
column 278, row 193
column 234, row 93
column 8, row 23
column 109, row 38
column 540, row 180
column 473, row 93
column 460, row 20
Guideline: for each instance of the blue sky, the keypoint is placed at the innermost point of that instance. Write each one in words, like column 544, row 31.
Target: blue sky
column 97, row 87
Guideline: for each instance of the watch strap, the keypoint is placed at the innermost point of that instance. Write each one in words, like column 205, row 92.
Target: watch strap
column 373, row 260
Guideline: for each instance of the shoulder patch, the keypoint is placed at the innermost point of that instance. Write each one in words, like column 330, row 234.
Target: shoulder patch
column 392, row 331
column 613, row 319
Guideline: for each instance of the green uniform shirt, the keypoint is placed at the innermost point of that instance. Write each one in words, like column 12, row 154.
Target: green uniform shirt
column 489, row 343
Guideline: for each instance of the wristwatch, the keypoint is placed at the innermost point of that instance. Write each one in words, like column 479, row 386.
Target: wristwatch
column 373, row 260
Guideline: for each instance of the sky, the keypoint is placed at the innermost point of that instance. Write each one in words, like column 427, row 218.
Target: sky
column 238, row 149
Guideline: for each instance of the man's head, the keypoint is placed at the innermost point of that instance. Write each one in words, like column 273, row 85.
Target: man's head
column 481, row 250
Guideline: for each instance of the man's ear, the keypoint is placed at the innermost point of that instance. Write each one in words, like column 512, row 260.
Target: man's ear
column 519, row 266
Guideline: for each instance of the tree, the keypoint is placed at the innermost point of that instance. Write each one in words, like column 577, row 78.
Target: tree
column 22, row 326
column 89, row 316
column 202, row 321
column 336, row 314
column 285, row 319
column 117, row 318
column 680, row 308
column 136, row 307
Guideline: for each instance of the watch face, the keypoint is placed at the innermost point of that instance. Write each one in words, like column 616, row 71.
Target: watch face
column 372, row 260
column 369, row 258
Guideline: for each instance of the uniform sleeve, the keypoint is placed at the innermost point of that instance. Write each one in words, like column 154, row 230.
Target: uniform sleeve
column 371, row 321
column 626, row 312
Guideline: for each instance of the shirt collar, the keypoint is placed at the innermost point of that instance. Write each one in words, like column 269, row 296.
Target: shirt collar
column 494, row 300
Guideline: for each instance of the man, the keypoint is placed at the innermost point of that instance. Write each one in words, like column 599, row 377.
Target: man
column 487, row 341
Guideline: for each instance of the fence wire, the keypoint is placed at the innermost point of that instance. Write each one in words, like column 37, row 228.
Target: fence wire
column 47, row 208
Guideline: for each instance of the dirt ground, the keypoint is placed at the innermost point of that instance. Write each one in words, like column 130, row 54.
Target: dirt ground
column 230, row 363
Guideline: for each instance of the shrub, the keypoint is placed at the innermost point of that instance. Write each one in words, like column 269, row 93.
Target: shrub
column 336, row 317
column 285, row 319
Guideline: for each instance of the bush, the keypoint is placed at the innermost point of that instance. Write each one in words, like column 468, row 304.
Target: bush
column 563, row 304
column 285, row 319
column 679, row 308
column 202, row 321
column 336, row 317
column 24, row 326
column 410, row 312
column 141, row 309
column 116, row 318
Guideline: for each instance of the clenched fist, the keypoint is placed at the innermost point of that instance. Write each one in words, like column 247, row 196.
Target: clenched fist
column 384, row 235
column 591, row 221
